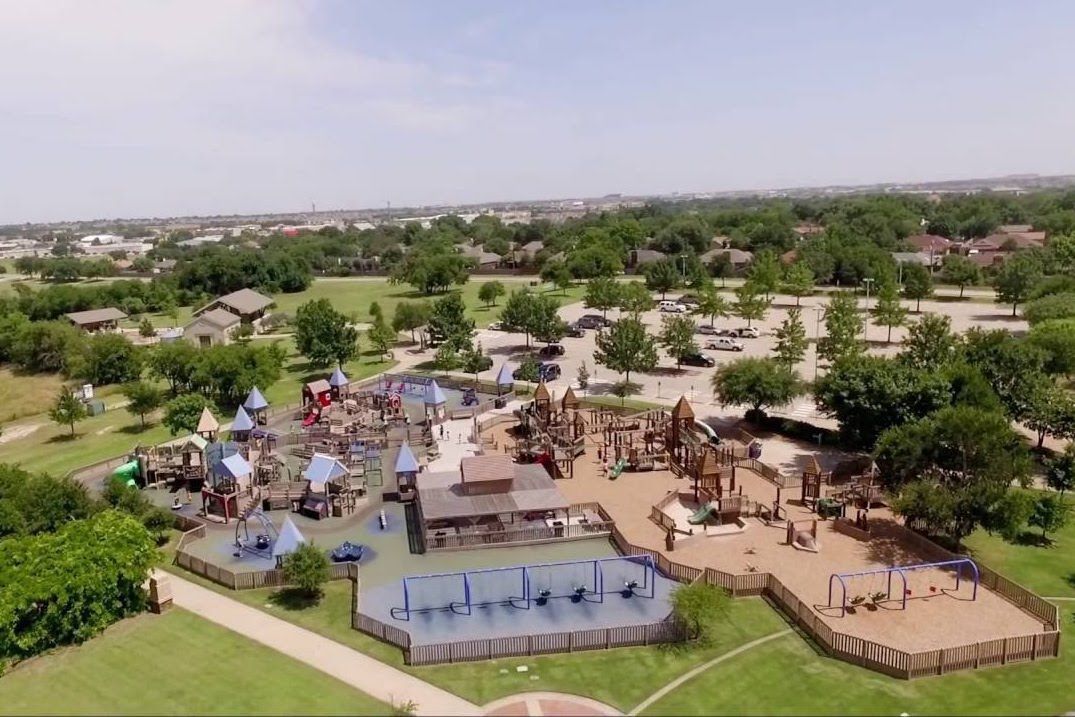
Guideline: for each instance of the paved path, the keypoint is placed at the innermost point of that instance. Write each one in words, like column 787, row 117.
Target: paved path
column 548, row 704
column 702, row 668
column 350, row 666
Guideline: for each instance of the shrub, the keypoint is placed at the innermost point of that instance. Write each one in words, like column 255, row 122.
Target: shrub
column 699, row 608
column 307, row 569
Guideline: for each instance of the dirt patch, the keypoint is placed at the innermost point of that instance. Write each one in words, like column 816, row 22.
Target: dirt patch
column 14, row 433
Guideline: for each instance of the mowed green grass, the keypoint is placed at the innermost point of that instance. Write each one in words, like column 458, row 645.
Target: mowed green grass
column 786, row 676
column 1049, row 570
column 621, row 677
column 175, row 664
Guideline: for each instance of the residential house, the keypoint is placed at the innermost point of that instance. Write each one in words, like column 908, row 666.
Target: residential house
column 641, row 257
column 484, row 259
column 738, row 258
column 95, row 320
column 917, row 257
column 215, row 327
column 248, row 305
column 929, row 244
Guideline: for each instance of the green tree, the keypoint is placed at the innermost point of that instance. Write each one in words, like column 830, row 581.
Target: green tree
column 381, row 335
column 532, row 314
column 1015, row 279
column 930, row 342
column 917, row 284
column 888, row 311
column 750, row 304
column 145, row 329
column 602, row 294
column 635, row 298
column 712, row 305
column 764, row 272
column 411, row 315
column 474, row 361
column 1014, row 368
column 1051, row 513
column 142, row 399
column 842, row 326
column 677, row 337
column 662, row 276
column 791, row 341
column 1049, row 411
column 1050, row 307
column 307, row 568
column 448, row 321
column 1060, row 471
column 966, row 457
column 529, row 370
column 583, row 376
column 489, row 292
column 107, row 358
column 700, row 608
column 182, row 412
column 961, row 271
column 448, row 357
column 557, row 274
column 755, row 382
column 798, row 281
column 324, row 335
column 626, row 346
column 1056, row 339
column 67, row 410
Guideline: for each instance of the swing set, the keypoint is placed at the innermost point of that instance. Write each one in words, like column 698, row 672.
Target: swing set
column 901, row 570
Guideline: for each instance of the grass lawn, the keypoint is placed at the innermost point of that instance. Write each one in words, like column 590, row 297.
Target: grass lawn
column 25, row 394
column 175, row 663
column 621, row 677
column 1048, row 570
column 786, row 676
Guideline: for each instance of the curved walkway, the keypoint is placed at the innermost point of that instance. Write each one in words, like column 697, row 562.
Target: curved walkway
column 702, row 668
column 345, row 664
column 547, row 704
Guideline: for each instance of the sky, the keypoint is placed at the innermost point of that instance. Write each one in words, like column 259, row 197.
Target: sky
column 117, row 108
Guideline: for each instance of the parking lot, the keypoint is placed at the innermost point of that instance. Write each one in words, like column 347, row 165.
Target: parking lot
column 667, row 382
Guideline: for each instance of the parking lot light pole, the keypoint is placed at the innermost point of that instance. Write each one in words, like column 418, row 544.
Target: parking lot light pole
column 820, row 311
column 866, row 316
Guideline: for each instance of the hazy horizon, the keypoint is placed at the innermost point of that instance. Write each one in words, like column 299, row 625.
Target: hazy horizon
column 129, row 109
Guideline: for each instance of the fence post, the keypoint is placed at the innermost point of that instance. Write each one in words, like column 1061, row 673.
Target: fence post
column 977, row 655
column 1004, row 652
column 1034, row 652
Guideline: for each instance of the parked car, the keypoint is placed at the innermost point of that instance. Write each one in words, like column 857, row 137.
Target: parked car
column 748, row 332
column 671, row 307
column 551, row 350
column 697, row 358
column 707, row 330
column 592, row 321
column 725, row 343
column 575, row 331
column 689, row 300
column 546, row 372
column 497, row 326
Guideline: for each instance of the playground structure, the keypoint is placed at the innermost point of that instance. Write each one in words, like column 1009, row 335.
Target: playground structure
column 522, row 586
column 852, row 483
column 878, row 597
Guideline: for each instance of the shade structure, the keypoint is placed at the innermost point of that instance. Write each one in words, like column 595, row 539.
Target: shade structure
column 338, row 379
column 504, row 377
column 434, row 396
column 289, row 539
column 255, row 401
column 405, row 461
column 235, row 467
column 242, row 421
column 324, row 469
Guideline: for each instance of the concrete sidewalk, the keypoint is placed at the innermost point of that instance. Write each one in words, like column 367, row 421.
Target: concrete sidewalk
column 350, row 666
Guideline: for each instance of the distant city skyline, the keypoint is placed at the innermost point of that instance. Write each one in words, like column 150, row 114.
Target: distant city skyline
column 121, row 108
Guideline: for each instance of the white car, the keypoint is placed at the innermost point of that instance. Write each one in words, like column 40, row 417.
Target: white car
column 671, row 307
column 749, row 332
column 725, row 343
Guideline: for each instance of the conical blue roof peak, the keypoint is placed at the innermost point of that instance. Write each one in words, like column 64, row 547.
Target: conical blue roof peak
column 338, row 379
column 504, row 378
column 242, row 421
column 434, row 395
column 255, row 401
column 405, row 461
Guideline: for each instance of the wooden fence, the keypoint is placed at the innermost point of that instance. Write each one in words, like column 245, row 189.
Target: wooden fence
column 252, row 580
column 872, row 655
column 458, row 541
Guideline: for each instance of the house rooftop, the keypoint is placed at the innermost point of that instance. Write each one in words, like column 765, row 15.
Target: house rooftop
column 219, row 317
column 244, row 301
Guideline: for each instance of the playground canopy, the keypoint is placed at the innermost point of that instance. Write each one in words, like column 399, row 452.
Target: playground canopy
column 242, row 421
column 235, row 467
column 289, row 539
column 405, row 461
column 338, row 378
column 255, row 401
column 207, row 422
column 434, row 396
column 324, row 469
column 504, row 377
